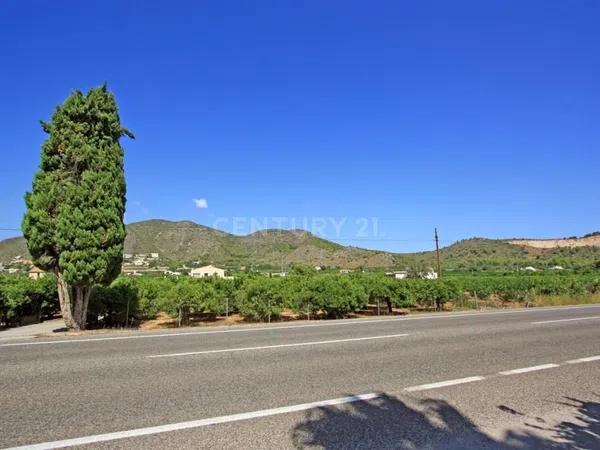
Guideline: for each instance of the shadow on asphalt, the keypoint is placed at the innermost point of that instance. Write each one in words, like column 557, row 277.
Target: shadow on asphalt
column 60, row 330
column 387, row 422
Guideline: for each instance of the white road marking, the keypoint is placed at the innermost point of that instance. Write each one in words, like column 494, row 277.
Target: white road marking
column 566, row 320
column 584, row 360
column 194, row 423
column 273, row 411
column 529, row 369
column 424, row 387
column 292, row 327
column 264, row 347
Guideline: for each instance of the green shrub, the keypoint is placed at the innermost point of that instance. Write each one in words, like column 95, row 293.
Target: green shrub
column 260, row 298
column 115, row 304
column 189, row 296
column 21, row 296
column 334, row 294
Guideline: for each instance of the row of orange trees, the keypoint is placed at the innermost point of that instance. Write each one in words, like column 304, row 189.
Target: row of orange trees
column 23, row 299
column 258, row 297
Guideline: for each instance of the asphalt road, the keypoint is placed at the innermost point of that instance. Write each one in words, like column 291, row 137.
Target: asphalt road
column 497, row 379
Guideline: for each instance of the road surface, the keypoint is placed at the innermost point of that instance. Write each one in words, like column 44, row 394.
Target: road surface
column 497, row 379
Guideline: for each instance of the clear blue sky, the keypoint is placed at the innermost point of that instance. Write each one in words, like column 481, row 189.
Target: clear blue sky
column 480, row 117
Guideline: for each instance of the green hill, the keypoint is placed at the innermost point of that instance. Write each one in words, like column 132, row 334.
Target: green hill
column 186, row 242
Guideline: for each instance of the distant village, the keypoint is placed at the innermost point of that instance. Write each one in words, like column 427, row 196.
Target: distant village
column 148, row 264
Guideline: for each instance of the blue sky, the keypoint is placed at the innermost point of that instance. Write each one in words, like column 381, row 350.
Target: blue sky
column 382, row 119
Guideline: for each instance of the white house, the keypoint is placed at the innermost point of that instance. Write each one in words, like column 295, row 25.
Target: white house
column 207, row 271
column 278, row 274
column 429, row 275
column 398, row 275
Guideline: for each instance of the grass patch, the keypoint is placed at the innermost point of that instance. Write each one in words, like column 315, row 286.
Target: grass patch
column 567, row 299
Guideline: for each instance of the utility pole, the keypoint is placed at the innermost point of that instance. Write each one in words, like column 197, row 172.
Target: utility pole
column 437, row 253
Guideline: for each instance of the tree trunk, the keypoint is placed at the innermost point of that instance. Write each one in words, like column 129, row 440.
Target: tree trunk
column 73, row 303
column 82, row 298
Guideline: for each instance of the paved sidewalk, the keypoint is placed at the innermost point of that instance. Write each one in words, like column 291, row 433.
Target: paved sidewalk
column 36, row 329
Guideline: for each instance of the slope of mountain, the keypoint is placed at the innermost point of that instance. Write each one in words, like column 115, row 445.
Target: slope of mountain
column 9, row 248
column 591, row 240
column 185, row 242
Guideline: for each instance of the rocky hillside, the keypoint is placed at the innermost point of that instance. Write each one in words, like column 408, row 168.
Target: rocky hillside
column 590, row 240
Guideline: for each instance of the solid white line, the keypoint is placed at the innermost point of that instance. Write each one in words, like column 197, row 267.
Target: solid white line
column 529, row 369
column 264, row 347
column 566, row 320
column 332, row 323
column 584, row 360
column 424, row 387
column 194, row 423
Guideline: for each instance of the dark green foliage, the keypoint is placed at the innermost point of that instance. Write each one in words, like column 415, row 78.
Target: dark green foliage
column 334, row 294
column 382, row 289
column 309, row 295
column 22, row 297
column 116, row 304
column 74, row 220
column 151, row 291
column 433, row 293
column 189, row 296
column 514, row 287
column 261, row 298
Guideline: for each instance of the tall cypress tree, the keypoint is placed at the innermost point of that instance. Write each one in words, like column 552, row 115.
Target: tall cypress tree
column 74, row 219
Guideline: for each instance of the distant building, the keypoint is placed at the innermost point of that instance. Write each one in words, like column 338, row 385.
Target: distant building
column 172, row 273
column 345, row 270
column 207, row 271
column 36, row 273
column 154, row 255
column 398, row 275
column 278, row 274
column 429, row 275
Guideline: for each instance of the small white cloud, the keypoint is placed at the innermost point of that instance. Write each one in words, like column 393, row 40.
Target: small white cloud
column 200, row 203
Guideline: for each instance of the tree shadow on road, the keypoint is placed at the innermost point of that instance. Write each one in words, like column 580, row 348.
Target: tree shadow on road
column 388, row 422
column 583, row 433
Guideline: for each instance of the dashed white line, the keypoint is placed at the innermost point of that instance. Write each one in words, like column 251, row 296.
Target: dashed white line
column 194, row 423
column 529, row 369
column 265, row 347
column 566, row 320
column 273, row 411
column 584, row 360
column 424, row 387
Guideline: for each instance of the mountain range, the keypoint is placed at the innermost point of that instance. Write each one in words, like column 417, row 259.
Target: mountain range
column 188, row 242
